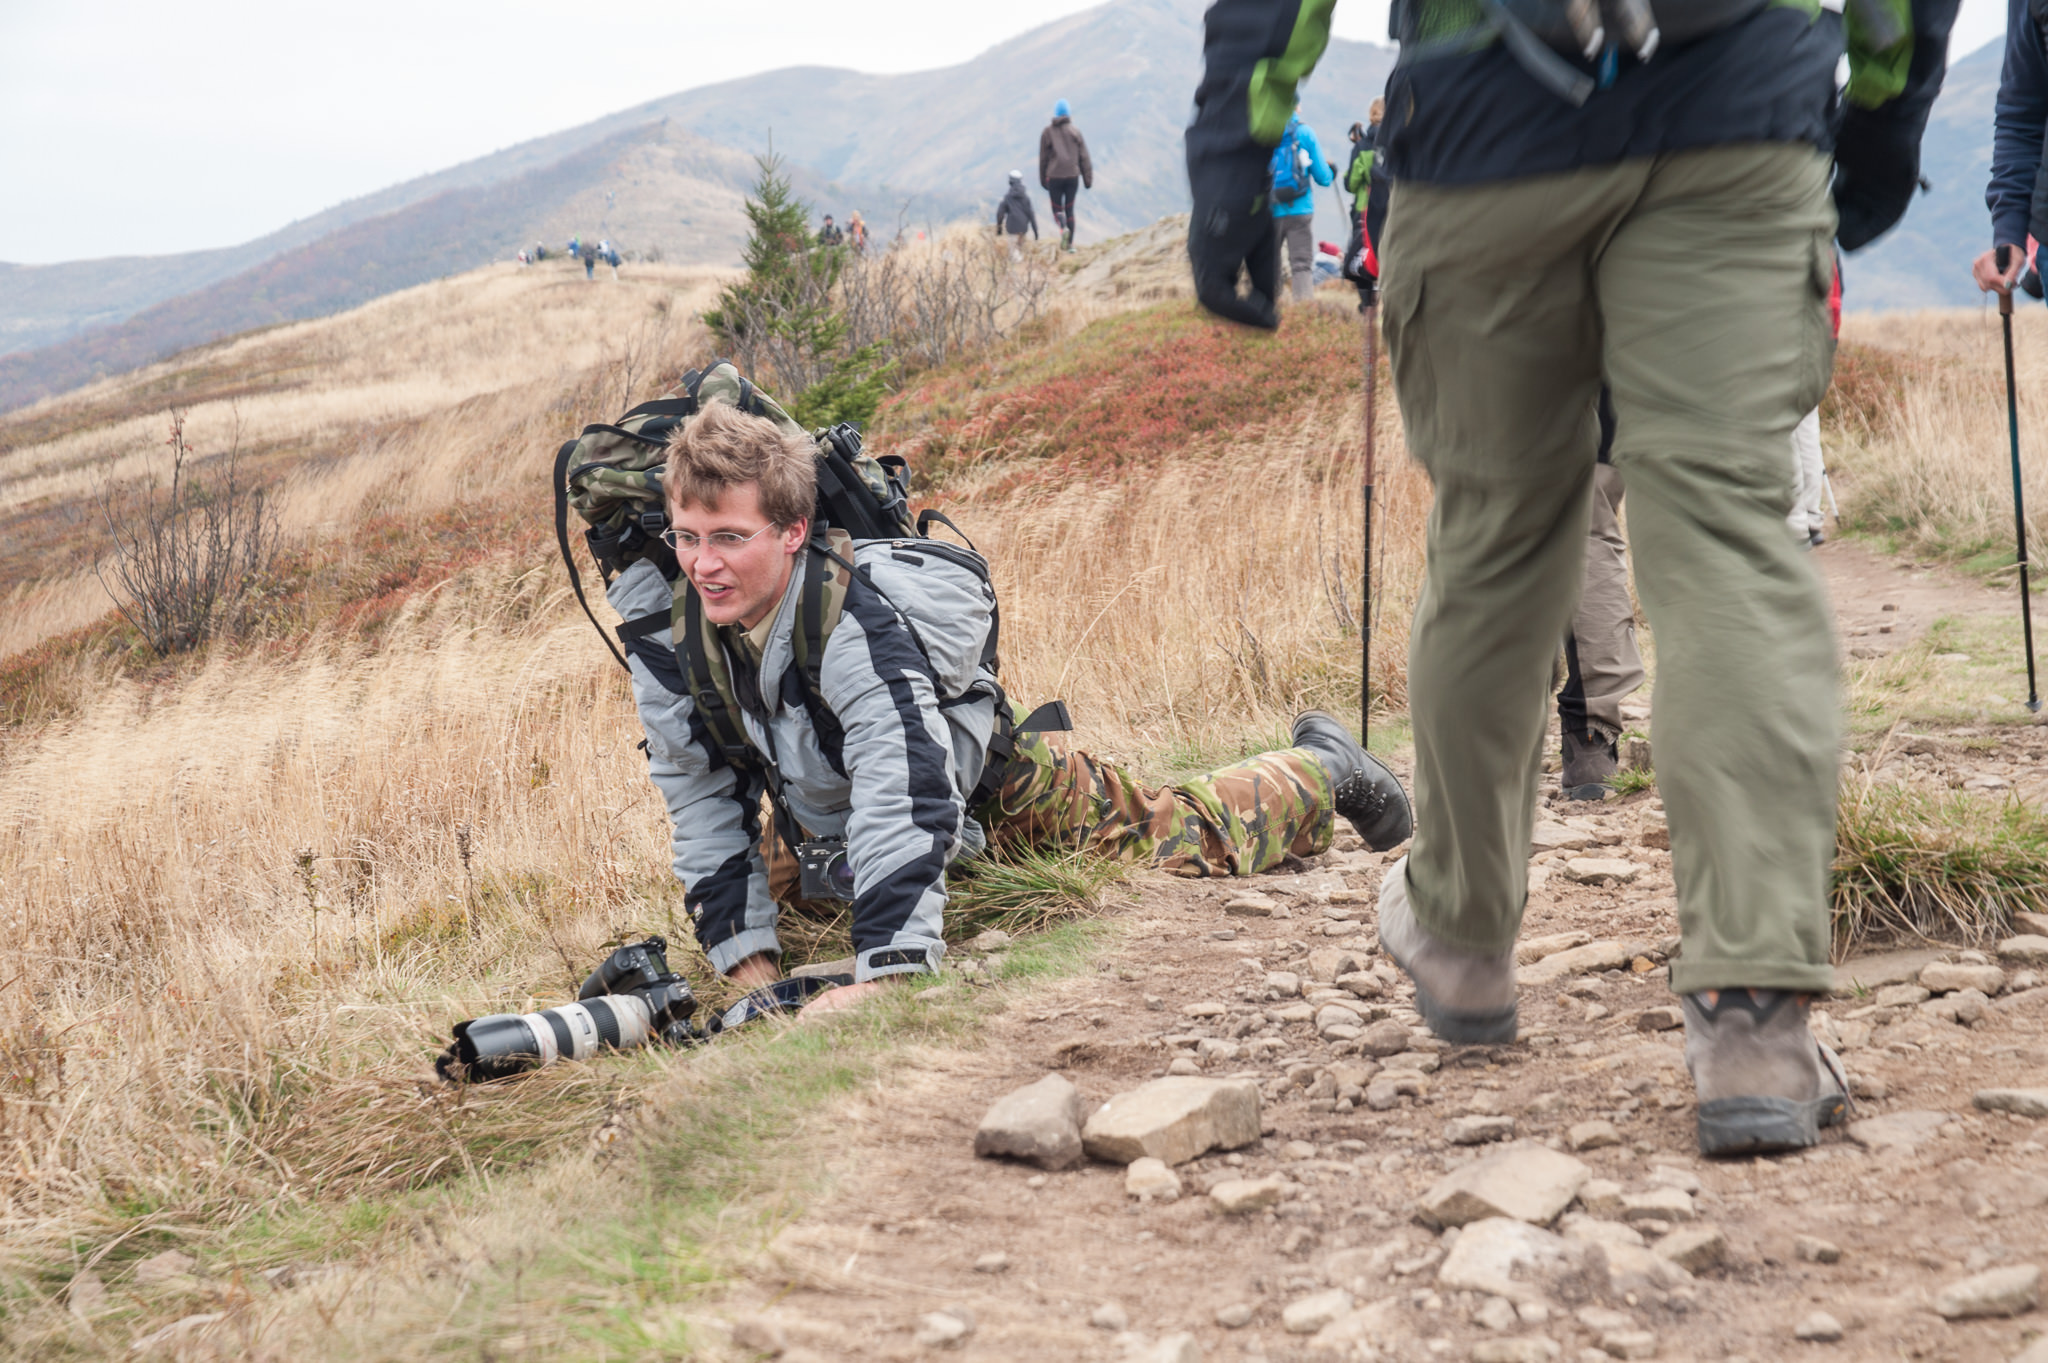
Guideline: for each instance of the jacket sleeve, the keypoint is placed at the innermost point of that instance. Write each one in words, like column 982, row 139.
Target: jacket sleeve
column 2018, row 123
column 907, row 814
column 1317, row 166
column 1044, row 157
column 1087, row 166
column 714, row 809
column 1031, row 216
column 1002, row 208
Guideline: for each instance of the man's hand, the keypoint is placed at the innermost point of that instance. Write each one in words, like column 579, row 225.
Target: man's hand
column 845, row 996
column 1990, row 278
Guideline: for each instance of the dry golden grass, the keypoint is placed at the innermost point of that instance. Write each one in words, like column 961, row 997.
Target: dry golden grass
column 1921, row 449
column 236, row 907
column 1205, row 604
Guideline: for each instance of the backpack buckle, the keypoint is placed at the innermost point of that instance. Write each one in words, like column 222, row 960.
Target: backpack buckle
column 652, row 523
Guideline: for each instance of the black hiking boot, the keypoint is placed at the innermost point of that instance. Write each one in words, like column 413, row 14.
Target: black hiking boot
column 1589, row 766
column 1764, row 1083
column 1361, row 789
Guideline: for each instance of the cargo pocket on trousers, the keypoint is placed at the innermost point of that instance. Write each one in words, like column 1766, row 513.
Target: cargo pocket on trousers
column 1817, row 330
column 1408, row 361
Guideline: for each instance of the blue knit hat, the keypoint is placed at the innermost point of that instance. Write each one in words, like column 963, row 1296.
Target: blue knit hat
column 1060, row 110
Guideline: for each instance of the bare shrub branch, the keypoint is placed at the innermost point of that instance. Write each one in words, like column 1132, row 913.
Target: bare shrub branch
column 184, row 558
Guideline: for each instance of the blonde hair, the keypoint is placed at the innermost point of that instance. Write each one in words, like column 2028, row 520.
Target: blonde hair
column 722, row 447
column 1378, row 112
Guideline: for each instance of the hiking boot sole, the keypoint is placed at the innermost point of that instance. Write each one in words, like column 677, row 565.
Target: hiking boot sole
column 1762, row 1126
column 1595, row 791
column 1468, row 1029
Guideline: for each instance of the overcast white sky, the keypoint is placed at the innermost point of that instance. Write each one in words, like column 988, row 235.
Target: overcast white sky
column 139, row 127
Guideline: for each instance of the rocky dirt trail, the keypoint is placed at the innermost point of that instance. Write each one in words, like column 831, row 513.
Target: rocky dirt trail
column 1331, row 1182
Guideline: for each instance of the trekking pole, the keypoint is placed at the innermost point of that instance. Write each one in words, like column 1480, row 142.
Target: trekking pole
column 1369, row 309
column 2019, row 513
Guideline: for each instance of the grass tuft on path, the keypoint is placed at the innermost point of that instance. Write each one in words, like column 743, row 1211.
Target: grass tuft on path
column 1911, row 865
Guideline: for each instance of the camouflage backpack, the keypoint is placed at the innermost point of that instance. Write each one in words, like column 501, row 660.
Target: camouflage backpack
column 611, row 476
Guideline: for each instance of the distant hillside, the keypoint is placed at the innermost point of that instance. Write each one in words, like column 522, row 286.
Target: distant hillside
column 670, row 176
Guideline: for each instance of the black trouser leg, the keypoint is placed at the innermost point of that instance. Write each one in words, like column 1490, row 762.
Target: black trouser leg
column 1571, row 697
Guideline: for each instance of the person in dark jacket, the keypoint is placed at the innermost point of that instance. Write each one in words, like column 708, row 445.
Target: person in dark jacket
column 1657, row 217
column 1015, row 214
column 2018, row 193
column 1063, row 166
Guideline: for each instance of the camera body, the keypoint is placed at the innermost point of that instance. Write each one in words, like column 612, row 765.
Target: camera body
column 824, row 871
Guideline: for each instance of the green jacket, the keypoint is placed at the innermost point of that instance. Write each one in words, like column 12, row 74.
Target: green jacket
column 1358, row 175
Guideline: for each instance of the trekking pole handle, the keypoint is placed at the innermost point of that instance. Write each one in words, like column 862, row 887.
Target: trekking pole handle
column 2005, row 294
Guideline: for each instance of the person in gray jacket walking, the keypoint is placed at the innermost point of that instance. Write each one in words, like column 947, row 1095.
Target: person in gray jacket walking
column 1063, row 166
column 1015, row 214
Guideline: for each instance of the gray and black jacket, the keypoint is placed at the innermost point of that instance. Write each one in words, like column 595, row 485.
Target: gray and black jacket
column 916, row 708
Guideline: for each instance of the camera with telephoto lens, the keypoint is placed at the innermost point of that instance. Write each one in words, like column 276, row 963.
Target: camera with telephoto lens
column 633, row 999
column 825, row 871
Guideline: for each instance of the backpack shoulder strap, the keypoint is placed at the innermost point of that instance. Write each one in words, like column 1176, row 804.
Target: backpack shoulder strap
column 706, row 678
column 568, row 558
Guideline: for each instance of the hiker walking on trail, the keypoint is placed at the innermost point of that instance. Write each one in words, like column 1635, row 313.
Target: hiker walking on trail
column 1015, row 214
column 1655, row 219
column 1809, row 463
column 2019, row 209
column 1602, row 664
column 854, row 683
column 1365, row 140
column 589, row 254
column 1063, row 166
column 1298, row 167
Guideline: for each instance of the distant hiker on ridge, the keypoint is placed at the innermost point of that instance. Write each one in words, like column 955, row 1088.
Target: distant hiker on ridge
column 829, row 234
column 1298, row 167
column 1063, row 165
column 589, row 255
column 856, row 232
column 1015, row 213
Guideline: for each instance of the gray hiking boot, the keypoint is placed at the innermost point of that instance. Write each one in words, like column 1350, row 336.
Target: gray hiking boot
column 1589, row 766
column 1362, row 790
column 1463, row 996
column 1764, row 1082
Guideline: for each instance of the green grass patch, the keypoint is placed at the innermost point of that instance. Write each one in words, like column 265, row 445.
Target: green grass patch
column 1952, row 867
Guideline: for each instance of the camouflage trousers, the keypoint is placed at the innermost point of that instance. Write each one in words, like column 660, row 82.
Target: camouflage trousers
column 1238, row 820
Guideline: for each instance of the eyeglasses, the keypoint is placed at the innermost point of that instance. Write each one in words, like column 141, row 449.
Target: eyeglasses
column 724, row 541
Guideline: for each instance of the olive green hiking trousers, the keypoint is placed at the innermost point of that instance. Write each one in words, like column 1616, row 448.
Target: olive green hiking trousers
column 1696, row 283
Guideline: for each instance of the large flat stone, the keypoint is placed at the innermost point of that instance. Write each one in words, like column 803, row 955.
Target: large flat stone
column 2023, row 1102
column 1501, row 1257
column 1898, row 1130
column 1174, row 1119
column 1945, row 977
column 1525, row 1182
column 1039, row 1124
column 2001, row 1292
column 1883, row 968
column 1574, row 961
column 1530, row 950
column 2026, row 949
column 1601, row 870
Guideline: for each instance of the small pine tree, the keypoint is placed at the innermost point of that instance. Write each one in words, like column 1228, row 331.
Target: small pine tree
column 779, row 320
column 855, row 387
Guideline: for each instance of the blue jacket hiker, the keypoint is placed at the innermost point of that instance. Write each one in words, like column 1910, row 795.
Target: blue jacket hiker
column 1298, row 167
